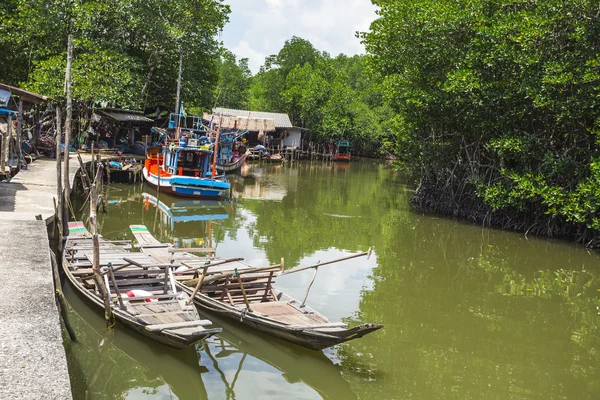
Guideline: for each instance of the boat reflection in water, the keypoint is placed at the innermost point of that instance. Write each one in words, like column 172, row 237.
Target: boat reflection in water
column 182, row 220
column 121, row 364
column 285, row 364
column 233, row 364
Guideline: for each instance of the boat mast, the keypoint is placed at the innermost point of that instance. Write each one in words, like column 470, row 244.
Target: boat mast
column 179, row 89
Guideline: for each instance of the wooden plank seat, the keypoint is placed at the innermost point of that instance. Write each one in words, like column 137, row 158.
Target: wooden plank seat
column 175, row 325
column 283, row 312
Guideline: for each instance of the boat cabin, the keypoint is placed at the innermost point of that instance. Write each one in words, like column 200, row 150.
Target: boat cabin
column 179, row 160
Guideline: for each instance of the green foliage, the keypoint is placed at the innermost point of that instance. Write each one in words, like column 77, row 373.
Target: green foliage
column 234, row 81
column 498, row 99
column 126, row 51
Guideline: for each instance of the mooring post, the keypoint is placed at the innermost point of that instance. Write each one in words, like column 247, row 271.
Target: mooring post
column 96, row 256
column 68, row 120
column 59, row 191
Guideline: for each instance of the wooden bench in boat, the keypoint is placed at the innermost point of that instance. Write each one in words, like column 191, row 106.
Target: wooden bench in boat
column 176, row 325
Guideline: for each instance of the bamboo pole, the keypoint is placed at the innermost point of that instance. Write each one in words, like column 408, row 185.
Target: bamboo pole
column 96, row 255
column 66, row 183
column 112, row 276
column 228, row 274
column 59, row 191
column 178, row 92
column 239, row 279
column 198, row 286
column 309, row 286
column 298, row 269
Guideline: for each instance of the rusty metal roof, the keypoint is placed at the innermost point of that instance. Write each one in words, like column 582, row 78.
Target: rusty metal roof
column 281, row 120
column 120, row 115
column 26, row 95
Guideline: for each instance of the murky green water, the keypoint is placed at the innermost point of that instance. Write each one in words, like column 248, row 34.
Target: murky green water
column 469, row 313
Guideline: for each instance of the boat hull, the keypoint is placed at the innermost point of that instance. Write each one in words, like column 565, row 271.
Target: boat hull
column 232, row 166
column 188, row 187
column 309, row 338
column 342, row 158
column 164, row 337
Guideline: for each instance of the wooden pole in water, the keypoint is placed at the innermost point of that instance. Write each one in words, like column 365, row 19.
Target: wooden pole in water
column 59, row 190
column 66, row 183
column 96, row 255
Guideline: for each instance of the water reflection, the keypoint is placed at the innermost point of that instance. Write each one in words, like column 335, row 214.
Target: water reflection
column 468, row 312
column 122, row 364
column 182, row 220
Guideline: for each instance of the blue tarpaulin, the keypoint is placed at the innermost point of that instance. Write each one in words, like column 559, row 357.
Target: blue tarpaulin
column 5, row 111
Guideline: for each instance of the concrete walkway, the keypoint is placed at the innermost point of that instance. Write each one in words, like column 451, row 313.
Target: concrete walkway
column 33, row 364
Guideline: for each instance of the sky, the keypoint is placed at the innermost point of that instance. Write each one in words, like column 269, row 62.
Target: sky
column 259, row 28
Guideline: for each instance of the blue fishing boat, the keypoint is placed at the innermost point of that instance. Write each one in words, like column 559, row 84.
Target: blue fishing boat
column 183, row 170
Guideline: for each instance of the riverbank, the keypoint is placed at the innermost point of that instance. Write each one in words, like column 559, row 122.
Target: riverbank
column 32, row 356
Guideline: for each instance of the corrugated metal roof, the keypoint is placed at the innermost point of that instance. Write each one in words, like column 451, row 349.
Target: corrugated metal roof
column 122, row 115
column 25, row 95
column 281, row 120
column 242, row 123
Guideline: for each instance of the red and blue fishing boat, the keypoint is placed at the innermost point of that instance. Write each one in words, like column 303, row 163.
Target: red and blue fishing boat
column 342, row 152
column 231, row 152
column 183, row 170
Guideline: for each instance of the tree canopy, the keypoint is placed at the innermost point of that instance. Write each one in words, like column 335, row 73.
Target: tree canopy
column 497, row 108
column 126, row 52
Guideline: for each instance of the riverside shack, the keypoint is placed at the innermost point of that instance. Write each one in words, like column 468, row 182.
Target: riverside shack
column 278, row 130
column 14, row 104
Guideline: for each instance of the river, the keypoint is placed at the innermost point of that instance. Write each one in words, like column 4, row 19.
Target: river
column 469, row 312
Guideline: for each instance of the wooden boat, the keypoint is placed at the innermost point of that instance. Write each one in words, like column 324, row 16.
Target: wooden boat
column 125, row 350
column 184, row 170
column 243, row 293
column 342, row 152
column 231, row 153
column 148, row 300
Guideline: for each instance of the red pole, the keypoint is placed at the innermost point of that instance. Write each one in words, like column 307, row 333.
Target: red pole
column 214, row 166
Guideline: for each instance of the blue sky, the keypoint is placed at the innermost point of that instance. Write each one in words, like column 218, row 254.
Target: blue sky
column 259, row 28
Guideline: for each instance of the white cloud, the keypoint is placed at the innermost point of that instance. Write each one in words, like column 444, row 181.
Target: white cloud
column 259, row 28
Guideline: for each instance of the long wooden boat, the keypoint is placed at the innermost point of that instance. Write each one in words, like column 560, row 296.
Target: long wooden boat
column 148, row 300
column 231, row 153
column 233, row 165
column 245, row 294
